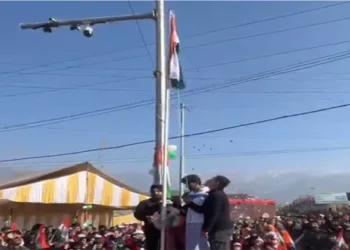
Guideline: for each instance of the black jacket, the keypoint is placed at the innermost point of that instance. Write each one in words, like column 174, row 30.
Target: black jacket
column 148, row 208
column 216, row 211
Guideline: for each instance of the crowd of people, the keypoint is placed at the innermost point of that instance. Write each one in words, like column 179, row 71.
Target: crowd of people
column 312, row 232
column 75, row 237
column 208, row 225
column 200, row 220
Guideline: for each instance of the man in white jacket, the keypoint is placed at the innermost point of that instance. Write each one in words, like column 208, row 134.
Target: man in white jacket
column 194, row 220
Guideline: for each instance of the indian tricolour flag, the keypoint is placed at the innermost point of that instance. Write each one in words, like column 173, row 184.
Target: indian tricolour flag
column 159, row 160
column 340, row 243
column 169, row 191
column 175, row 70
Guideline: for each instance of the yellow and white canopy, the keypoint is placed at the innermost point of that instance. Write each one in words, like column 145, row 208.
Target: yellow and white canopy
column 79, row 184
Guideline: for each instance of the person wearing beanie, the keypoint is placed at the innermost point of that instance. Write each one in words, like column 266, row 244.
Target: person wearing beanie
column 217, row 225
column 194, row 220
column 145, row 211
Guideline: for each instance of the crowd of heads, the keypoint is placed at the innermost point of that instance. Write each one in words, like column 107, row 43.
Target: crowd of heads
column 307, row 232
column 76, row 237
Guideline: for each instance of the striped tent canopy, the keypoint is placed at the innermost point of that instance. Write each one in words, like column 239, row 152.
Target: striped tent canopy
column 78, row 184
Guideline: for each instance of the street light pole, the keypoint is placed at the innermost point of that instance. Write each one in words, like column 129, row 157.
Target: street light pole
column 160, row 73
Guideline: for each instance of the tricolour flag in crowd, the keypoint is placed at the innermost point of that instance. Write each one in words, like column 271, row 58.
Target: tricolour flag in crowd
column 175, row 70
column 14, row 226
column 283, row 236
column 41, row 240
column 340, row 243
column 64, row 229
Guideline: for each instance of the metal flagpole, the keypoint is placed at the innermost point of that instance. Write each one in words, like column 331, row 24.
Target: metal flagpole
column 182, row 146
column 161, row 88
column 162, row 112
column 165, row 171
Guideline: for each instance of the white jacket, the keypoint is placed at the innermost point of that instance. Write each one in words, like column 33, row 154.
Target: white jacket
column 197, row 198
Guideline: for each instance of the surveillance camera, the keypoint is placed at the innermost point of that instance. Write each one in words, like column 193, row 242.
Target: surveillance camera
column 88, row 31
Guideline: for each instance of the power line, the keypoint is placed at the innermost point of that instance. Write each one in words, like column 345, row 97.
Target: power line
column 283, row 70
column 191, row 69
column 72, row 88
column 75, row 66
column 262, row 75
column 66, row 67
column 268, row 33
column 269, row 55
column 216, row 64
column 243, row 38
column 141, row 33
column 291, row 92
column 198, row 156
column 231, row 39
column 187, row 135
column 267, row 19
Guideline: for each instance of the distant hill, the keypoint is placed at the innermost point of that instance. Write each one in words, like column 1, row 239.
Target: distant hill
column 289, row 186
column 281, row 187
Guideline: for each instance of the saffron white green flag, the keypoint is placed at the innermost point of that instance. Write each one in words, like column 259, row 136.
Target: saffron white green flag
column 175, row 70
column 169, row 190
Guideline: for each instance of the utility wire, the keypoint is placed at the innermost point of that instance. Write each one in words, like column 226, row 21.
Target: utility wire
column 284, row 70
column 141, row 34
column 191, row 69
column 213, row 43
column 267, row 33
column 194, row 156
column 262, row 75
column 73, row 66
column 216, row 64
column 270, row 55
column 187, row 135
column 267, row 19
column 72, row 87
column 213, row 31
column 9, row 73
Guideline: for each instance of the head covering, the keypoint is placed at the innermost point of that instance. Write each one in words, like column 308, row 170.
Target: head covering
column 81, row 236
column 271, row 236
column 259, row 239
column 237, row 244
column 138, row 232
column 98, row 239
column 156, row 186
column 12, row 235
column 191, row 178
column 222, row 180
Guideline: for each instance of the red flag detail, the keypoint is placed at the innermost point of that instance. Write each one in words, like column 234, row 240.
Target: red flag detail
column 66, row 222
column 14, row 226
column 42, row 238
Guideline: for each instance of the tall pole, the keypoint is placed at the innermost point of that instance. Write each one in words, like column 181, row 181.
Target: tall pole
column 86, row 25
column 182, row 147
column 161, row 114
column 160, row 89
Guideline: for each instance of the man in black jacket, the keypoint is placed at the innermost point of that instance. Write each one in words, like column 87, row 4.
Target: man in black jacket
column 144, row 212
column 217, row 225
